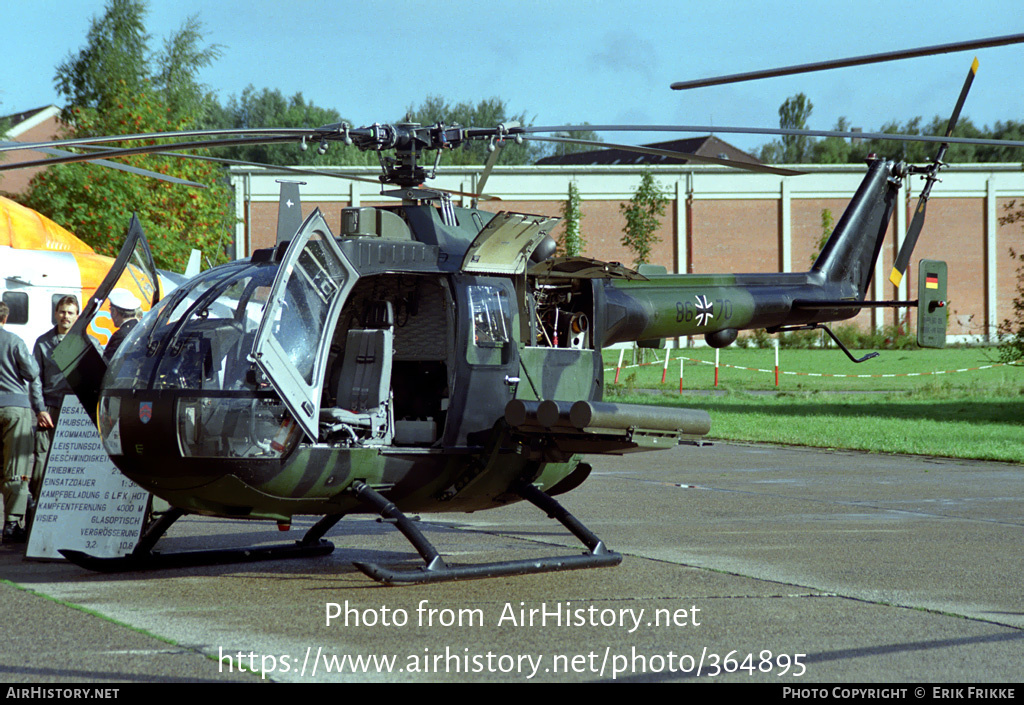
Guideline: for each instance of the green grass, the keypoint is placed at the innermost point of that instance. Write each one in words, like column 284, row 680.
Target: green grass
column 978, row 413
column 892, row 370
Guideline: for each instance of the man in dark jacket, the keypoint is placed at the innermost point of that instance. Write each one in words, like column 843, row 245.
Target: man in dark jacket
column 53, row 384
column 18, row 371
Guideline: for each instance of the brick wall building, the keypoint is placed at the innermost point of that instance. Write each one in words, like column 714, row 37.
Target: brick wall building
column 721, row 220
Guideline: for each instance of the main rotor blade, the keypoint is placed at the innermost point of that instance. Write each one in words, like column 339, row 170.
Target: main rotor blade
column 746, row 166
column 162, row 150
column 71, row 158
column 124, row 167
column 854, row 61
column 257, row 134
column 492, row 159
column 308, row 171
column 776, row 131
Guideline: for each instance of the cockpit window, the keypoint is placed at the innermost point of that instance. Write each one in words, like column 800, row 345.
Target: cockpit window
column 492, row 321
column 183, row 299
column 307, row 296
column 199, row 338
column 235, row 427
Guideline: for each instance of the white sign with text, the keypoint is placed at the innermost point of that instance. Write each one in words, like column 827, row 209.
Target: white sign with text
column 85, row 503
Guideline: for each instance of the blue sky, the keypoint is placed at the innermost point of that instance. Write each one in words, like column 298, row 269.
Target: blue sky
column 566, row 62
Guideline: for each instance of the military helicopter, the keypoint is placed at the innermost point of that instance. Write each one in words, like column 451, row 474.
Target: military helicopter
column 424, row 358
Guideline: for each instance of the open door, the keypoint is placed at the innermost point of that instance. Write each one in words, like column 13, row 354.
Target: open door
column 505, row 244
column 77, row 356
column 313, row 280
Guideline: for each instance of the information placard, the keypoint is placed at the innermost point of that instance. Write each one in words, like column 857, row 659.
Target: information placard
column 85, row 503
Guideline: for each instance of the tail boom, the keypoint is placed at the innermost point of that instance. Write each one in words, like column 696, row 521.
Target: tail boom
column 695, row 304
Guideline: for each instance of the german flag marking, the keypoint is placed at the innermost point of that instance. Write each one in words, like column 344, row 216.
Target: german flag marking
column 931, row 281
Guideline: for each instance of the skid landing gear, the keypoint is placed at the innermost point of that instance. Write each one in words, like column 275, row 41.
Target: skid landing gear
column 145, row 558
column 312, row 544
column 436, row 570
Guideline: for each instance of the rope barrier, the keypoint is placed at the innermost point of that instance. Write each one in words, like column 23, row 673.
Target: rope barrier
column 777, row 371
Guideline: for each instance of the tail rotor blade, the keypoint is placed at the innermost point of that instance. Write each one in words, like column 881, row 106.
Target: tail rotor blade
column 899, row 267
column 963, row 97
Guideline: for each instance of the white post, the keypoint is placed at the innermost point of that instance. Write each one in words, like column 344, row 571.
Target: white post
column 776, row 362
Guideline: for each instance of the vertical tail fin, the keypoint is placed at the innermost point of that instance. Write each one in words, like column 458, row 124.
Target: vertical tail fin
column 289, row 210
column 850, row 253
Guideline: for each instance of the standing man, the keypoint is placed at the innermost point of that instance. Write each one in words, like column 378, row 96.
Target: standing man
column 125, row 310
column 18, row 372
column 53, row 384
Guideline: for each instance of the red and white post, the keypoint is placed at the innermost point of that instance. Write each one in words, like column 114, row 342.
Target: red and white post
column 776, row 362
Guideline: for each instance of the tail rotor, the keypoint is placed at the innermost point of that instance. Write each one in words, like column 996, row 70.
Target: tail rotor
column 930, row 173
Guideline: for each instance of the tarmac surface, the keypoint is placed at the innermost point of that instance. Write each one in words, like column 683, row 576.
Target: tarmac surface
column 742, row 563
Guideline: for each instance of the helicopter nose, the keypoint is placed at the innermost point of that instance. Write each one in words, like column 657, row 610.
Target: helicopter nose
column 176, row 440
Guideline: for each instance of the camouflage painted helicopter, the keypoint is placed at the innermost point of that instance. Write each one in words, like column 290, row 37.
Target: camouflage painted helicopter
column 426, row 358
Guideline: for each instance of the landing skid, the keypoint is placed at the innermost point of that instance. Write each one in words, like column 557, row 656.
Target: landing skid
column 436, row 570
column 312, row 544
column 145, row 558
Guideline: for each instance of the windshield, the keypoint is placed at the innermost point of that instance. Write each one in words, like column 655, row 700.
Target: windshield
column 200, row 337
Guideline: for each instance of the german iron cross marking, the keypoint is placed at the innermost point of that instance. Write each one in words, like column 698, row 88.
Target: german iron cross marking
column 704, row 310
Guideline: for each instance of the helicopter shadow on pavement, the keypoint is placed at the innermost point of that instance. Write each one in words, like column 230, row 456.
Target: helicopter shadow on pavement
column 356, row 539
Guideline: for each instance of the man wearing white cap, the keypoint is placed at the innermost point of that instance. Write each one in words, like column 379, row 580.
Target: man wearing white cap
column 125, row 311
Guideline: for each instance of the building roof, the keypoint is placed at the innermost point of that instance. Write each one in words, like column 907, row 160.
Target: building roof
column 707, row 146
column 26, row 120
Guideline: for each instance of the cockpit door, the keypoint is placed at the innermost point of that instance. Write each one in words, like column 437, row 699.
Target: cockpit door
column 292, row 342
column 78, row 356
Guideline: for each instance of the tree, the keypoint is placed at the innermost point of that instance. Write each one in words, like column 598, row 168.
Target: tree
column 827, row 226
column 115, row 55
column 1009, row 130
column 571, row 241
column 114, row 86
column 179, row 64
column 795, row 111
column 791, row 149
column 833, row 150
column 1011, row 331
column 642, row 213
column 793, row 114
column 270, row 108
column 5, row 125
